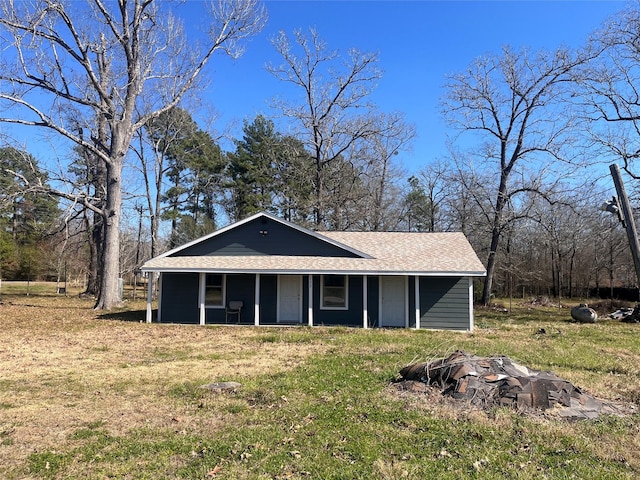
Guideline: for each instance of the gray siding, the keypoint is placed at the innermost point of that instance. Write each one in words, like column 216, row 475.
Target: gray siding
column 351, row 317
column 268, row 298
column 238, row 287
column 373, row 307
column 179, row 298
column 263, row 236
column 444, row 303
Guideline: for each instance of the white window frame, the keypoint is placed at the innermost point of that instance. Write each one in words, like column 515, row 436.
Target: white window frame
column 224, row 291
column 346, row 293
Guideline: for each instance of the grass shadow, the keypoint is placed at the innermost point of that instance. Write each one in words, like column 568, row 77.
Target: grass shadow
column 138, row 316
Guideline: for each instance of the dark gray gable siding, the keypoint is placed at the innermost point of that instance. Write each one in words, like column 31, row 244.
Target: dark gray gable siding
column 179, row 301
column 263, row 236
column 444, row 303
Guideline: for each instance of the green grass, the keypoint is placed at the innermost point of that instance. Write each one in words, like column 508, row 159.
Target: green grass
column 332, row 414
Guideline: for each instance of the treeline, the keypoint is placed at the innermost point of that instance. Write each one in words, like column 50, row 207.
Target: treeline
column 520, row 179
column 571, row 249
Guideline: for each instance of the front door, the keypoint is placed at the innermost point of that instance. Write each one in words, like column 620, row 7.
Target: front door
column 290, row 298
column 392, row 301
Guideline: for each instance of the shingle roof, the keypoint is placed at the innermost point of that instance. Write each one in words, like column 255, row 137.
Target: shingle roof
column 393, row 253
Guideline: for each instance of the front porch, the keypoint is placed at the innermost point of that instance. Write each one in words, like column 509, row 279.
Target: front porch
column 270, row 299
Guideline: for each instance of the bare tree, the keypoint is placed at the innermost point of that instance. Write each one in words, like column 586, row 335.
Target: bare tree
column 333, row 112
column 156, row 147
column 381, row 172
column 434, row 182
column 73, row 66
column 514, row 103
column 609, row 92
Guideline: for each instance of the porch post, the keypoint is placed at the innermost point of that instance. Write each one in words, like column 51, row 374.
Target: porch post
column 256, row 302
column 310, row 306
column 149, row 295
column 159, row 287
column 417, row 300
column 201, row 297
column 365, row 306
column 406, row 301
column 471, row 304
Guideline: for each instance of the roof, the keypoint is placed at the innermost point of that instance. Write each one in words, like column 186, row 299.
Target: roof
column 385, row 253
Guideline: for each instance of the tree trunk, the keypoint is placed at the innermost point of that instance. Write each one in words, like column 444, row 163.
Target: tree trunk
column 491, row 267
column 109, row 285
column 495, row 236
column 319, row 204
column 95, row 241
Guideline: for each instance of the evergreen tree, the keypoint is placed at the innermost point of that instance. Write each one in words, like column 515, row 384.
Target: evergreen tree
column 250, row 167
column 419, row 209
column 269, row 172
column 193, row 163
column 26, row 214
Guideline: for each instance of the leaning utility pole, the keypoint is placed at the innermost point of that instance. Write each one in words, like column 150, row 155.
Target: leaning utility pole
column 627, row 218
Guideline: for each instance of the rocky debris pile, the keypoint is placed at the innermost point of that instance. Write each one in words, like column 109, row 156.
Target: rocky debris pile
column 627, row 315
column 583, row 314
column 488, row 382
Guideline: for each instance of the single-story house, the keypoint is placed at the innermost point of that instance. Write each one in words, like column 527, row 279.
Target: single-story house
column 266, row 271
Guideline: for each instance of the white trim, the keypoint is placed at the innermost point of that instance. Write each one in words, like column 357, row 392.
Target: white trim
column 365, row 301
column 279, row 298
column 406, row 301
column 224, row 291
column 346, row 292
column 310, row 301
column 417, row 294
column 256, row 302
column 149, row 297
column 202, row 279
column 471, row 321
column 311, row 271
column 159, row 287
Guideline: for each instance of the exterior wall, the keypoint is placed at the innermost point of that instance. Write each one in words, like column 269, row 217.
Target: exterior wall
column 444, row 303
column 351, row 317
column 179, row 299
column 268, row 299
column 264, row 237
column 238, row 287
column 373, row 305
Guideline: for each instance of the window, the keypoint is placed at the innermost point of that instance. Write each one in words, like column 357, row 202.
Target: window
column 334, row 292
column 214, row 290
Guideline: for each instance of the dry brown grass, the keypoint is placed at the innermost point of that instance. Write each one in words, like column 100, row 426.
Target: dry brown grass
column 64, row 367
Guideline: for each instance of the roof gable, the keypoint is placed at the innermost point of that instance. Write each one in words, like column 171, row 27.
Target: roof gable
column 276, row 246
column 264, row 234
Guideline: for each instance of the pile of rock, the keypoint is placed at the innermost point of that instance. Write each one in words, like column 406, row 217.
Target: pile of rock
column 488, row 382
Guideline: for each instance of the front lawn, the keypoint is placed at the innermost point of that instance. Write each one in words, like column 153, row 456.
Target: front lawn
column 85, row 395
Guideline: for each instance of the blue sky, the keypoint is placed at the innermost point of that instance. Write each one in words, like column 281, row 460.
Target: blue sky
column 419, row 43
